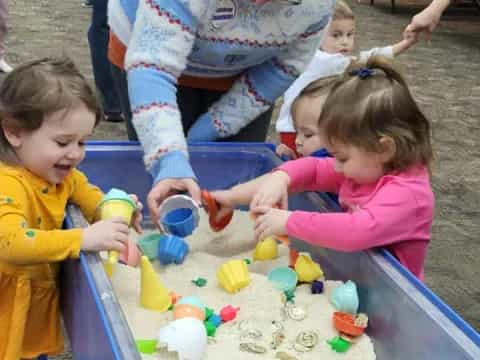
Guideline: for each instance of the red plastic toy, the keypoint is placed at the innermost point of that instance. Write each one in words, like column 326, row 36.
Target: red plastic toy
column 228, row 313
column 211, row 208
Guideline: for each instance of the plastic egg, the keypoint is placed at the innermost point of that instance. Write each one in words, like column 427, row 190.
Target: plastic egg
column 186, row 336
column 193, row 301
column 181, row 311
column 267, row 249
column 307, row 269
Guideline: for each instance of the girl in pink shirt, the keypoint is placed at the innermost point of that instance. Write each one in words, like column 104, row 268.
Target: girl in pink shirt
column 380, row 141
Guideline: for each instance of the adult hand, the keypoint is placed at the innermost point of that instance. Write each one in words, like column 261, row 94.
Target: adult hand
column 427, row 20
column 164, row 188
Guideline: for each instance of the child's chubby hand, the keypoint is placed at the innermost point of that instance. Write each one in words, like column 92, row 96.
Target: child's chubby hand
column 272, row 192
column 109, row 234
column 225, row 202
column 137, row 215
column 283, row 151
column 270, row 222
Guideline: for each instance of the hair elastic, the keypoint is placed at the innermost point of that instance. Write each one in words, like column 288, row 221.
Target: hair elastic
column 362, row 72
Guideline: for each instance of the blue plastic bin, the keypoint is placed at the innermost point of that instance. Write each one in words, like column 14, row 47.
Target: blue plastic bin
column 406, row 320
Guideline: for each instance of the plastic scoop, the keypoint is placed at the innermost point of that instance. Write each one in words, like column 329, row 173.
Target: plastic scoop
column 211, row 208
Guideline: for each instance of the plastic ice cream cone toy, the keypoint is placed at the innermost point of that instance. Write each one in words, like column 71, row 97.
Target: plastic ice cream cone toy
column 233, row 275
column 116, row 203
column 153, row 294
column 307, row 269
column 267, row 249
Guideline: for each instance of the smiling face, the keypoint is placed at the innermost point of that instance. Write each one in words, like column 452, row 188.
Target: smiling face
column 340, row 37
column 57, row 146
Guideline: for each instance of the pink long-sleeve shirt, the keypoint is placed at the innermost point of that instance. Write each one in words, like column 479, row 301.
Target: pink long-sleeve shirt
column 395, row 212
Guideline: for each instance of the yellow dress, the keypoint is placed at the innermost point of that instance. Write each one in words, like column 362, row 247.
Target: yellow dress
column 31, row 246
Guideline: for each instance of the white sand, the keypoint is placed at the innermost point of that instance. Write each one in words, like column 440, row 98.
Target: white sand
column 259, row 302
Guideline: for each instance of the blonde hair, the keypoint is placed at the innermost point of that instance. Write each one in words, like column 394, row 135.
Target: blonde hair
column 342, row 11
column 315, row 89
column 371, row 101
column 38, row 88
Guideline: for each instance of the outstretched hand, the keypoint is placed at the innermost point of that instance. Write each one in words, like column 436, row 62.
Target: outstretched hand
column 270, row 221
column 427, row 20
column 272, row 192
column 167, row 187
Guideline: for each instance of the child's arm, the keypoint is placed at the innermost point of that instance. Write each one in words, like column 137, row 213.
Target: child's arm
column 393, row 215
column 85, row 195
column 312, row 174
column 20, row 243
column 409, row 39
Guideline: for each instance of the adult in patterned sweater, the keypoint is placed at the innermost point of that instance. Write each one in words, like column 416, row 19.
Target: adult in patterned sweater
column 205, row 70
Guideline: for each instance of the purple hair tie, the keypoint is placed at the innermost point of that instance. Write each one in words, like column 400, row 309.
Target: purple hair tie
column 362, row 73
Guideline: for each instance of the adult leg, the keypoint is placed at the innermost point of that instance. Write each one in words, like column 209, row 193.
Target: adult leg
column 256, row 131
column 195, row 102
column 98, row 42
column 121, row 86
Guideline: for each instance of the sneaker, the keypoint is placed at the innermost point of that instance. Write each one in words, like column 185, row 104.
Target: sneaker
column 87, row 3
column 4, row 67
column 113, row 117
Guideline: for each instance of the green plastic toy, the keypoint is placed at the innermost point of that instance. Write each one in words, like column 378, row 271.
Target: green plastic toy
column 211, row 328
column 338, row 344
column 200, row 282
column 149, row 245
column 146, row 346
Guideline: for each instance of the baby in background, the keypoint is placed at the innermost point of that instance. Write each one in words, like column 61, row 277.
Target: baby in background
column 380, row 142
column 333, row 57
column 47, row 111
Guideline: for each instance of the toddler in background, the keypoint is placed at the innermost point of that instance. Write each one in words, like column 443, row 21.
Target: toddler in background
column 305, row 110
column 47, row 110
column 380, row 141
column 334, row 56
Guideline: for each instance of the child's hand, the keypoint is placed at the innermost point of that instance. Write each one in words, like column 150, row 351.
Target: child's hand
column 225, row 201
column 410, row 37
column 283, row 150
column 272, row 192
column 106, row 235
column 270, row 221
column 137, row 215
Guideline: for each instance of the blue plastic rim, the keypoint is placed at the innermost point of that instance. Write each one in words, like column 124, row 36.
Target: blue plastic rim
column 179, row 222
column 283, row 278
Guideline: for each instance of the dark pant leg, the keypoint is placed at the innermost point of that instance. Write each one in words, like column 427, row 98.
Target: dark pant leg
column 98, row 42
column 195, row 102
column 121, row 86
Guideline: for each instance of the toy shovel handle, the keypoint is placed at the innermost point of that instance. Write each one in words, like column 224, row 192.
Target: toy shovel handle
column 212, row 209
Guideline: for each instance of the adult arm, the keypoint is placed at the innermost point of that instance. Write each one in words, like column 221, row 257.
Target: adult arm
column 427, row 20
